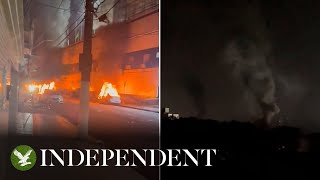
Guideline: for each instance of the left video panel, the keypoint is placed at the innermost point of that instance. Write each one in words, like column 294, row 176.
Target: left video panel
column 80, row 74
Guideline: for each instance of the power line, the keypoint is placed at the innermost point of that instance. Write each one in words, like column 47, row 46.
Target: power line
column 55, row 16
column 68, row 27
column 98, row 6
column 70, row 32
column 112, row 7
column 103, row 17
column 58, row 8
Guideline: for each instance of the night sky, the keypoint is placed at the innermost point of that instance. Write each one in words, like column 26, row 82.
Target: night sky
column 199, row 71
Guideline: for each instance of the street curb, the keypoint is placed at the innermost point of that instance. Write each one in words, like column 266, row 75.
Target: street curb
column 137, row 108
column 142, row 109
column 131, row 107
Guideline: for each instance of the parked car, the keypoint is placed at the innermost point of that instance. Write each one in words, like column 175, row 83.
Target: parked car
column 52, row 97
column 110, row 100
column 115, row 100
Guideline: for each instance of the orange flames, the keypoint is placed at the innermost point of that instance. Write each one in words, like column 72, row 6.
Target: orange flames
column 41, row 88
column 108, row 89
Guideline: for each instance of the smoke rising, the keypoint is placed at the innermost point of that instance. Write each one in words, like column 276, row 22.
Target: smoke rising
column 286, row 39
column 250, row 66
column 108, row 48
column 51, row 22
column 249, row 51
column 60, row 22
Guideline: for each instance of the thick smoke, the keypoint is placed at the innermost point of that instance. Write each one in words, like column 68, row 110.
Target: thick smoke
column 195, row 43
column 51, row 22
column 108, row 48
column 61, row 20
column 249, row 63
column 76, row 15
column 249, row 50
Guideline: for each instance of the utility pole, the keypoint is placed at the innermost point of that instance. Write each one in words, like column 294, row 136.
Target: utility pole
column 85, row 66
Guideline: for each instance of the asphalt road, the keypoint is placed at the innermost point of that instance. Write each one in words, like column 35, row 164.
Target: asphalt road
column 115, row 126
column 111, row 123
column 118, row 126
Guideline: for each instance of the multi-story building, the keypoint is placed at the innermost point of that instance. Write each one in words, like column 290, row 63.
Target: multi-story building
column 125, row 49
column 28, row 36
column 11, row 40
column 11, row 59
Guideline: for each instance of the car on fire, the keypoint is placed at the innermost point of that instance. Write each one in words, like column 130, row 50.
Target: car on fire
column 52, row 97
column 109, row 94
column 110, row 100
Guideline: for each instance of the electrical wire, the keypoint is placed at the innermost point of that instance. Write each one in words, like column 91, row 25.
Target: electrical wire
column 70, row 32
column 69, row 27
column 98, row 6
column 58, row 8
column 112, row 7
column 55, row 16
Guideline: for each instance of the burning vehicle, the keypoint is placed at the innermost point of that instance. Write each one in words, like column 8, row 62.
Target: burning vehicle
column 109, row 94
column 52, row 97
column 40, row 88
column 43, row 94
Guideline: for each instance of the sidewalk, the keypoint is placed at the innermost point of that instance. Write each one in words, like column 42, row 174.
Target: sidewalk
column 44, row 125
column 53, row 126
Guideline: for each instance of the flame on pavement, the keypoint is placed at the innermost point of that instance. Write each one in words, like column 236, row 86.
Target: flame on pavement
column 108, row 89
column 40, row 88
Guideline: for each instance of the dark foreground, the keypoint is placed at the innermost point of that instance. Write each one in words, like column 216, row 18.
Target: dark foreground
column 243, row 150
column 8, row 172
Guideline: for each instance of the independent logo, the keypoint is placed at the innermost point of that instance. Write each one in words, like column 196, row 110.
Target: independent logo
column 23, row 158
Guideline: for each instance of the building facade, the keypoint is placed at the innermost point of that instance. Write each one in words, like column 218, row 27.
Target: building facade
column 12, row 60
column 125, row 50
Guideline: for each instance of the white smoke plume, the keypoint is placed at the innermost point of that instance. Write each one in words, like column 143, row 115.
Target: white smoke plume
column 61, row 21
column 249, row 63
column 249, row 50
column 51, row 22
